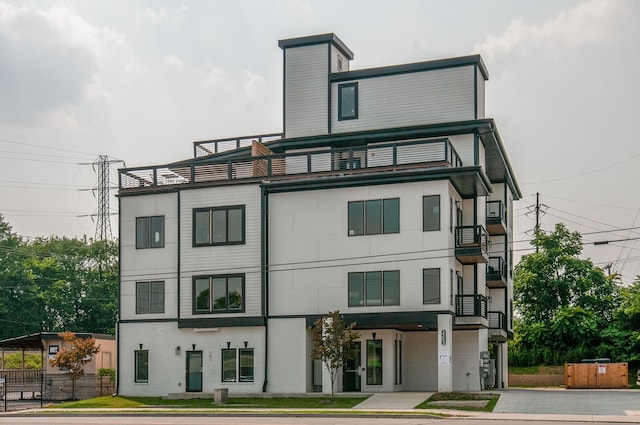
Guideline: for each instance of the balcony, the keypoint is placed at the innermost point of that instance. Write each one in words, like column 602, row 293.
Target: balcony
column 471, row 310
column 496, row 273
column 210, row 147
column 378, row 157
column 496, row 218
column 497, row 326
column 471, row 244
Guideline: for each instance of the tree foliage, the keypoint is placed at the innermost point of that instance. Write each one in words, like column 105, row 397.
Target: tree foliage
column 74, row 354
column 53, row 284
column 567, row 308
column 334, row 343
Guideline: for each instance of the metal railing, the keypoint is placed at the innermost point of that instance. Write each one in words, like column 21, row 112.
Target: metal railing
column 497, row 320
column 497, row 265
column 471, row 305
column 470, row 236
column 336, row 161
column 496, row 210
column 210, row 147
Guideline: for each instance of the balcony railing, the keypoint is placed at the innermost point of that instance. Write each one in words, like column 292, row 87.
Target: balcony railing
column 497, row 320
column 472, row 244
column 496, row 271
column 496, row 218
column 209, row 147
column 375, row 157
column 471, row 306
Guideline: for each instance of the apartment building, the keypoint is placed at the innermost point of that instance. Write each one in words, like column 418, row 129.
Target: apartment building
column 388, row 196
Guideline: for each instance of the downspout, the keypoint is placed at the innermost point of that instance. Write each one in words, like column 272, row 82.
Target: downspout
column 118, row 353
column 264, row 230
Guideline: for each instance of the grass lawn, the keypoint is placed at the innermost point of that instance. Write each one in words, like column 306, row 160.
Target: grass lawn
column 458, row 400
column 266, row 403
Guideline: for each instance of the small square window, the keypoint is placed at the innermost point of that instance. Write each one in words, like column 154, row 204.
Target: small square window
column 348, row 101
column 149, row 297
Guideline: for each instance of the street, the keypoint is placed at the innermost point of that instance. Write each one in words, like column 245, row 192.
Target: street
column 261, row 420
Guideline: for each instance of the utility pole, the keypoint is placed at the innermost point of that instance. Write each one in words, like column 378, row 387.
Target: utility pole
column 537, row 211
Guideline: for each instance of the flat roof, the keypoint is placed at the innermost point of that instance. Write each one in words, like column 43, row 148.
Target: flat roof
column 317, row 39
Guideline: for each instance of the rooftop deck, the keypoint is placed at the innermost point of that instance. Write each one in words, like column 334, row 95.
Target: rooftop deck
column 263, row 164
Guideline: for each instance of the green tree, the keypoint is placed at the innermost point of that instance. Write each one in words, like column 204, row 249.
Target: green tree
column 74, row 354
column 563, row 301
column 334, row 343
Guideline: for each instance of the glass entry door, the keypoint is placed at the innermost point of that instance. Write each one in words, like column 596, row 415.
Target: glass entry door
column 194, row 371
column 351, row 372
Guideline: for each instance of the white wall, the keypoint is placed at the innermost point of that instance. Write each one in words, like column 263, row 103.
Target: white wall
column 289, row 357
column 149, row 264
column 306, row 70
column 417, row 98
column 208, row 260
column 311, row 253
column 167, row 369
column 420, row 361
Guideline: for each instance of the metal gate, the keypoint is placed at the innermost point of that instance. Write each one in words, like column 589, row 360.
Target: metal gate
column 21, row 389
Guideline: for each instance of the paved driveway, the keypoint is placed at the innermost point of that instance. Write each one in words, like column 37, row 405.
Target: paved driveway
column 569, row 402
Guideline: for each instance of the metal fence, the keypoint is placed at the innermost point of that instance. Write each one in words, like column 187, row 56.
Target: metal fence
column 21, row 389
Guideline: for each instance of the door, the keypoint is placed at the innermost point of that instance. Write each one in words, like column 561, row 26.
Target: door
column 194, row 371
column 351, row 372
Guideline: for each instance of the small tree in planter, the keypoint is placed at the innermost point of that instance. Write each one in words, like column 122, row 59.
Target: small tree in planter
column 334, row 343
column 72, row 357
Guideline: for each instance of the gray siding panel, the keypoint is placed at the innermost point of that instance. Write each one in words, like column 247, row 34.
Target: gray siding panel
column 480, row 90
column 306, row 90
column 417, row 98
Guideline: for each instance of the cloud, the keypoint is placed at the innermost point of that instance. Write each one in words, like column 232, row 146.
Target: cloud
column 214, row 77
column 163, row 15
column 174, row 62
column 253, row 81
column 584, row 23
column 50, row 59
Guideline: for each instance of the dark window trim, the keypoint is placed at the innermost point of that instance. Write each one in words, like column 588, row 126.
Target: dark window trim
column 424, row 229
column 135, row 367
column 211, row 310
column 364, row 291
column 341, row 116
column 150, row 233
column 253, row 367
column 383, row 231
column 151, row 282
column 235, row 365
column 211, row 210
column 424, row 294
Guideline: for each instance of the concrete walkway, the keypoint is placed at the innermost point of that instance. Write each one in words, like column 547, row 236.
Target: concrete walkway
column 393, row 401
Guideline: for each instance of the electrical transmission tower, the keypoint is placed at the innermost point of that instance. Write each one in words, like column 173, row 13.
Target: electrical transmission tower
column 103, row 221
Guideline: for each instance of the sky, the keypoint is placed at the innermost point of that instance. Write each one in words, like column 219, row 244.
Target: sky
column 140, row 80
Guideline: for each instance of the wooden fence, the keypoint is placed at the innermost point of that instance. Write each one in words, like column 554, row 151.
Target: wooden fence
column 596, row 375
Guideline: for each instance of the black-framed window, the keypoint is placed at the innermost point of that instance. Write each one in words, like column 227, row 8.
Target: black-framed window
column 149, row 297
column 218, row 294
column 374, row 217
column 374, row 288
column 431, row 213
column 229, row 362
column 431, row 286
column 347, row 101
column 141, row 358
column 150, row 232
column 218, row 226
column 237, row 360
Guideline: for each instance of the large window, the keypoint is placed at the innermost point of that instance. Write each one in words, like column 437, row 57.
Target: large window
column 149, row 297
column 150, row 232
column 431, row 213
column 348, row 101
column 218, row 226
column 141, row 358
column 374, row 288
column 374, row 217
column 431, row 286
column 237, row 360
column 374, row 362
column 218, row 294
